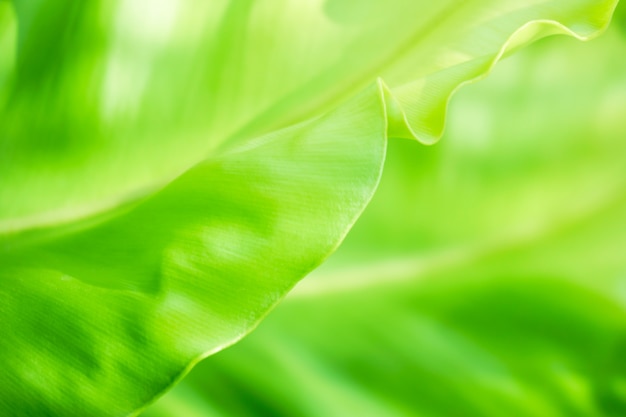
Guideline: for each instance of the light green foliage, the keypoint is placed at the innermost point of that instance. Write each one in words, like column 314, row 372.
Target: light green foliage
column 500, row 293
column 169, row 169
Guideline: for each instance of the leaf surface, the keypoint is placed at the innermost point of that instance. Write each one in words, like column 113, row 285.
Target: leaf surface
column 486, row 278
column 170, row 170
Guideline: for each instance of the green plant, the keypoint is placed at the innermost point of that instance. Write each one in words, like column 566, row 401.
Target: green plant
column 171, row 170
column 501, row 294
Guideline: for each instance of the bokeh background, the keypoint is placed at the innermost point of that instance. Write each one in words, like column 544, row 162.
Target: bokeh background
column 486, row 278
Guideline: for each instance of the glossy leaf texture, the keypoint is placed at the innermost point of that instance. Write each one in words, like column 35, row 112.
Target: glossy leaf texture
column 486, row 278
column 170, row 170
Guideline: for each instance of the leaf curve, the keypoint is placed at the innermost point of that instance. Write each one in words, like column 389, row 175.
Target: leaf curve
column 131, row 263
column 113, row 85
column 225, row 241
column 500, row 294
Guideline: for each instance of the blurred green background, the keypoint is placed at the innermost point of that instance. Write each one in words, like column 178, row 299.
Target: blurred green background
column 486, row 278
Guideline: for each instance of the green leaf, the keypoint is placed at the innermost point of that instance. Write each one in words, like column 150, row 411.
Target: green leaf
column 486, row 278
column 182, row 273
column 121, row 97
column 170, row 170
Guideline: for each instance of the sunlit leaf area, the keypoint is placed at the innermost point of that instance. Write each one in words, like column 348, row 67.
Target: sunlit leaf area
column 313, row 208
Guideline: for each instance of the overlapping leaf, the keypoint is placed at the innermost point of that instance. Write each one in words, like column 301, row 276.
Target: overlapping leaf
column 502, row 293
column 169, row 169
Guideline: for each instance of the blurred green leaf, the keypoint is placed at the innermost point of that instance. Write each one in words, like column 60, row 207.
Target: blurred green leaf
column 620, row 17
column 170, row 170
column 486, row 278
column 123, row 96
